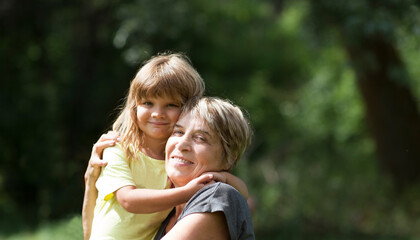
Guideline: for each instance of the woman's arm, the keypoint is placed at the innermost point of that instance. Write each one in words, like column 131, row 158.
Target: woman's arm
column 91, row 175
column 89, row 202
column 200, row 226
column 218, row 212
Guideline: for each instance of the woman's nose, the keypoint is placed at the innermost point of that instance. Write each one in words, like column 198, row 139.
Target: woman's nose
column 184, row 144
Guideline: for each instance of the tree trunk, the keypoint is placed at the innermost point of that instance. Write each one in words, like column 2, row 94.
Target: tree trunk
column 391, row 108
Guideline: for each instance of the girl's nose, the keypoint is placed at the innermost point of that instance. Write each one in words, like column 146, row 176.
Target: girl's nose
column 158, row 113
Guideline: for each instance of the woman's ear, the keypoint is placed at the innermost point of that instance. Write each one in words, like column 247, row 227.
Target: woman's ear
column 227, row 166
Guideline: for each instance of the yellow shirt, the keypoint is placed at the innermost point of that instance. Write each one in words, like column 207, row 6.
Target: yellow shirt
column 111, row 220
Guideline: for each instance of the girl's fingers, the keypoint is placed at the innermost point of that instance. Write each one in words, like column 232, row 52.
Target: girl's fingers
column 205, row 178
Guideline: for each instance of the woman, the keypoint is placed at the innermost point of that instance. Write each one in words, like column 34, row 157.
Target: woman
column 210, row 136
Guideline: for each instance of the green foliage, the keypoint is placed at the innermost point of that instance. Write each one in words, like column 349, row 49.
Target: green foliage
column 408, row 44
column 55, row 63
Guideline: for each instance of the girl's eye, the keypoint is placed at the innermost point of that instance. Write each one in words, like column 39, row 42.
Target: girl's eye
column 173, row 105
column 148, row 103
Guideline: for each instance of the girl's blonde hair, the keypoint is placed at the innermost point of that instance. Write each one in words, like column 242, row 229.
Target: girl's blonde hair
column 165, row 75
column 227, row 121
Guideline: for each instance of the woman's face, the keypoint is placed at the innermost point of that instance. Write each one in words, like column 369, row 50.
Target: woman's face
column 191, row 150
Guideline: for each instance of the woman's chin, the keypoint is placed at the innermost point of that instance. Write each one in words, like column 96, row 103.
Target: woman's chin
column 179, row 179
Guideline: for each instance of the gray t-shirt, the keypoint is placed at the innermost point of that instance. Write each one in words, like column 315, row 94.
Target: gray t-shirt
column 224, row 198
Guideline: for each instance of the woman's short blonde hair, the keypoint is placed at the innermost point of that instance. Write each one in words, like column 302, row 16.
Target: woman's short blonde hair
column 227, row 121
column 165, row 75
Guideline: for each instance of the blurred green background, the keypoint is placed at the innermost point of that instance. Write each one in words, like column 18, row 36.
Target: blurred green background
column 332, row 88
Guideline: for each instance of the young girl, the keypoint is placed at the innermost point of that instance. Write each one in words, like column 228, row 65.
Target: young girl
column 134, row 194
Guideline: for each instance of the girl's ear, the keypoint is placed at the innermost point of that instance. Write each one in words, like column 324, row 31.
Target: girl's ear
column 133, row 114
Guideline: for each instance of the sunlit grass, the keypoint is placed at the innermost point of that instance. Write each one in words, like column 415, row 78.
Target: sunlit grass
column 64, row 229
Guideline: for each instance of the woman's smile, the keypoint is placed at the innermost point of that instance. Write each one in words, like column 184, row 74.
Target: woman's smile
column 181, row 160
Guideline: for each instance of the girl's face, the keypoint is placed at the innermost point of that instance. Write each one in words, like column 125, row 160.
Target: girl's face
column 191, row 150
column 156, row 117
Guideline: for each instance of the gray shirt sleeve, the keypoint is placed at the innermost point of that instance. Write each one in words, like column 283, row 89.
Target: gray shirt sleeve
column 221, row 197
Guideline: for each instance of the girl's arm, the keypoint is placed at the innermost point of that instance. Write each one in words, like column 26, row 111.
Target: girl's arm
column 136, row 200
column 139, row 200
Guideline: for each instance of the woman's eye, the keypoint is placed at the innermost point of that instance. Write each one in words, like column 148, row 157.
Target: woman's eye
column 201, row 139
column 177, row 133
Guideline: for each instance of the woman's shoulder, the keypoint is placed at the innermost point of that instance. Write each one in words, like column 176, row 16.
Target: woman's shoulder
column 221, row 188
column 221, row 197
column 215, row 197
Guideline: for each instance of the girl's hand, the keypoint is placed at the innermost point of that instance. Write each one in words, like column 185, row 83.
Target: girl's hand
column 218, row 176
column 95, row 162
column 205, row 179
column 198, row 183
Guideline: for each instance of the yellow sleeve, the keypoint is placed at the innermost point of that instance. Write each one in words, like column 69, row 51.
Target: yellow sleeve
column 115, row 175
